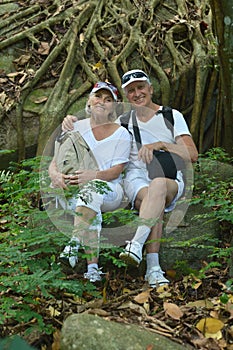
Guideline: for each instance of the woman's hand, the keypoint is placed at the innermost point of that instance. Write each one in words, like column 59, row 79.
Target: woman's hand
column 58, row 180
column 68, row 122
column 82, row 176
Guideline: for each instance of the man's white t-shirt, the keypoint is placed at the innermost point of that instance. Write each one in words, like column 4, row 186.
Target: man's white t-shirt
column 155, row 130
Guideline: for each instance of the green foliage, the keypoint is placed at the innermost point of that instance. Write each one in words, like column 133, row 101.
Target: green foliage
column 217, row 194
column 29, row 246
column 110, row 255
column 6, row 151
column 121, row 215
column 218, row 153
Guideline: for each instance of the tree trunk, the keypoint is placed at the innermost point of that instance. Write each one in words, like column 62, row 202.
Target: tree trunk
column 70, row 47
column 223, row 24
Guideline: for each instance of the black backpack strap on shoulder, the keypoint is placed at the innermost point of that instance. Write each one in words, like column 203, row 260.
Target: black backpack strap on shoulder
column 136, row 131
column 124, row 119
column 168, row 118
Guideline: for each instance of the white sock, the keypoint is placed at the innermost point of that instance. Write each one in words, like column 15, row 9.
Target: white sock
column 141, row 234
column 152, row 260
column 75, row 240
column 92, row 266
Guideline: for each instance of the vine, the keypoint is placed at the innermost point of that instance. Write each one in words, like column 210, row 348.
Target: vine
column 98, row 40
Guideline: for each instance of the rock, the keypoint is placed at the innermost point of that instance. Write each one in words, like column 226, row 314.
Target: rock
column 91, row 332
column 185, row 238
column 191, row 241
column 14, row 343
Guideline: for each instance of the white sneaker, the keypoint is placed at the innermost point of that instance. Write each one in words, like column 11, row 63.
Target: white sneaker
column 70, row 252
column 155, row 277
column 94, row 275
column 132, row 253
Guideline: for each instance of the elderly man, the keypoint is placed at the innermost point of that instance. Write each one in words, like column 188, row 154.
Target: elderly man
column 152, row 197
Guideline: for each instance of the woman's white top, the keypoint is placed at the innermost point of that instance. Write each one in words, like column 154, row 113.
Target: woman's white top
column 112, row 150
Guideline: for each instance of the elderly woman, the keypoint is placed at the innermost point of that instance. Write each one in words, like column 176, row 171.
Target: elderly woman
column 110, row 145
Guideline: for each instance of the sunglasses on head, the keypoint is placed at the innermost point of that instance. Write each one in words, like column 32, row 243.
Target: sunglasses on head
column 135, row 75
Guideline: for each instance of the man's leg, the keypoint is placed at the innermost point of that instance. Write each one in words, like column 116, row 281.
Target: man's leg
column 151, row 203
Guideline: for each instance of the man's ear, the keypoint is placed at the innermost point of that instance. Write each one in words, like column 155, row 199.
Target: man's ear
column 151, row 89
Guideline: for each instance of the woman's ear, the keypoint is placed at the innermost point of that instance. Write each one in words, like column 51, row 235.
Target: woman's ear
column 88, row 104
column 88, row 107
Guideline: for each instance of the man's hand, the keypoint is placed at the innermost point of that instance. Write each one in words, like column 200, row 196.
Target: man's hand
column 146, row 151
column 67, row 124
column 145, row 154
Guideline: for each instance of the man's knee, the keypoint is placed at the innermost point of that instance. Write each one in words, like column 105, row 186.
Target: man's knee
column 158, row 188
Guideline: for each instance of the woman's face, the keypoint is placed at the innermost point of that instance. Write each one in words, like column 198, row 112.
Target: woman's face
column 101, row 103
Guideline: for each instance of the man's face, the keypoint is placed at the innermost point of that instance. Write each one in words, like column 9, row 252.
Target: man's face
column 139, row 93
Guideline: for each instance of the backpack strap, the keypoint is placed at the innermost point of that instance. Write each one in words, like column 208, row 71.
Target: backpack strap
column 124, row 119
column 168, row 118
column 136, row 131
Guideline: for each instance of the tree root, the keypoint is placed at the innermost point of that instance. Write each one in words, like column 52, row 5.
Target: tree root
column 117, row 36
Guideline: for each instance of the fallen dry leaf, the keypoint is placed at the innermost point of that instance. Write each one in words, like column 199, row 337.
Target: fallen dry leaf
column 129, row 305
column 56, row 340
column 172, row 310
column 99, row 312
column 201, row 303
column 217, row 335
column 53, row 311
column 22, row 60
column 44, row 48
column 209, row 326
column 142, row 297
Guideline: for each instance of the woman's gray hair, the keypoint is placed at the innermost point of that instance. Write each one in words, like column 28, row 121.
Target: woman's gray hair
column 112, row 116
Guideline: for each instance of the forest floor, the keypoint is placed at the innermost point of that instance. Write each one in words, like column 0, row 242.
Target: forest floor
column 190, row 311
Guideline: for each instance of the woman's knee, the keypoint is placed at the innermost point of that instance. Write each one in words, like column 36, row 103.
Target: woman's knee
column 85, row 213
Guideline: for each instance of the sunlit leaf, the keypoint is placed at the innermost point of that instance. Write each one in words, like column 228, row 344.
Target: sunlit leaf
column 217, row 335
column 126, row 291
column 209, row 325
column 53, row 311
column 97, row 66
